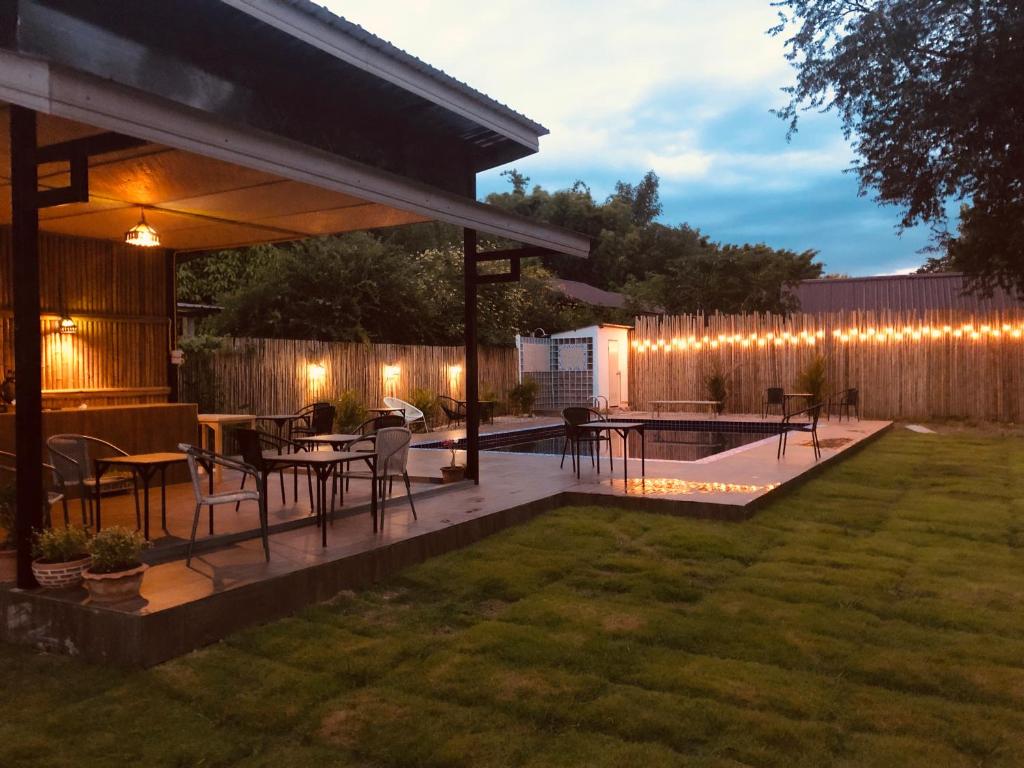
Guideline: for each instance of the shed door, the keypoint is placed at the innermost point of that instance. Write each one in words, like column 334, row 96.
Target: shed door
column 614, row 374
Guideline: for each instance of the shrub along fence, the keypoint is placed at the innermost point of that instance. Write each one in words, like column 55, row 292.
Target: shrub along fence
column 280, row 375
column 931, row 365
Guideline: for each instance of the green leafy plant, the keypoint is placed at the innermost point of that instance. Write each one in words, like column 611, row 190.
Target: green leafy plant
column 350, row 412
column 487, row 392
column 426, row 401
column 813, row 379
column 717, row 385
column 8, row 499
column 523, row 395
column 61, row 545
column 116, row 549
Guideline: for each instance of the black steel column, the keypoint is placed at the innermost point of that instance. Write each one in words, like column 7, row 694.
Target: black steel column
column 171, row 292
column 472, row 385
column 28, row 418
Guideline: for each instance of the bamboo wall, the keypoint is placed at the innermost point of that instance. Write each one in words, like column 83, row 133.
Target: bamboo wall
column 117, row 296
column 279, row 375
column 933, row 365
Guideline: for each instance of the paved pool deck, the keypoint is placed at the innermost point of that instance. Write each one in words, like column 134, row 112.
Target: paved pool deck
column 229, row 585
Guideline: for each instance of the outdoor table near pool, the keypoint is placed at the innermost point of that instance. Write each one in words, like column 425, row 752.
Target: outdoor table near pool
column 144, row 465
column 622, row 429
column 323, row 464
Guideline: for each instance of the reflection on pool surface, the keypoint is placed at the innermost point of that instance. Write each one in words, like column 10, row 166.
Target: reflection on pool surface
column 670, row 486
column 662, row 444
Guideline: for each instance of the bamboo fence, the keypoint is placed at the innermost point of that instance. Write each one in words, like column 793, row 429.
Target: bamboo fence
column 281, row 375
column 931, row 365
column 117, row 296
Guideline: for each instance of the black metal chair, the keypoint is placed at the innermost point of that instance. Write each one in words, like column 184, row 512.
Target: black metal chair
column 454, row 410
column 252, row 443
column 812, row 414
column 72, row 456
column 320, row 421
column 847, row 399
column 573, row 417
column 773, row 397
column 53, row 490
column 305, row 420
column 198, row 457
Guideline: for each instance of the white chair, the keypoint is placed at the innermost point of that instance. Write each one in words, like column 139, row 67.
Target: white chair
column 392, row 447
column 411, row 412
column 208, row 459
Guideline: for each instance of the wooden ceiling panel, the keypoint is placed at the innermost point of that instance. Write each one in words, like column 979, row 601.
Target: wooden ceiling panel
column 278, row 198
column 170, row 176
column 366, row 216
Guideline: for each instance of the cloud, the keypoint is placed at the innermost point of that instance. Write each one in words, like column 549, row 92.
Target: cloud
column 683, row 87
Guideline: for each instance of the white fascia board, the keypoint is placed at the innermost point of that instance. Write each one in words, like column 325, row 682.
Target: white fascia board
column 312, row 31
column 57, row 91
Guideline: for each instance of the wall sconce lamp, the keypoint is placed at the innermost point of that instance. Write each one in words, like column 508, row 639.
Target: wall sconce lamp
column 142, row 234
column 454, row 371
column 317, row 373
column 67, row 326
column 390, row 373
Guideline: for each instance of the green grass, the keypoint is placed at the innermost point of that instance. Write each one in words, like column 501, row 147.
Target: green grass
column 875, row 617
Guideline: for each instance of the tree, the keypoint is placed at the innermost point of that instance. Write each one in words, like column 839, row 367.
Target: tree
column 933, row 93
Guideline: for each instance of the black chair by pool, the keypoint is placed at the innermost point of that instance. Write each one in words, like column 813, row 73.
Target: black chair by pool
column 773, row 397
column 812, row 414
column 573, row 417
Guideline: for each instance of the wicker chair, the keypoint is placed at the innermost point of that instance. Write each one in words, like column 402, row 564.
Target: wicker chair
column 392, row 447
column 72, row 457
column 197, row 457
column 411, row 412
column 847, row 399
column 54, row 489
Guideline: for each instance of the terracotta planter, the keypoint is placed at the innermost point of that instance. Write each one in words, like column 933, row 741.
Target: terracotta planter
column 452, row 474
column 8, row 565
column 60, row 575
column 115, row 587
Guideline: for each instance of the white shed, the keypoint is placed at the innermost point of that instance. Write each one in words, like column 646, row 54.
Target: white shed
column 584, row 366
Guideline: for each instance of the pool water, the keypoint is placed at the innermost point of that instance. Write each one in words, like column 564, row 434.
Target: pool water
column 665, row 445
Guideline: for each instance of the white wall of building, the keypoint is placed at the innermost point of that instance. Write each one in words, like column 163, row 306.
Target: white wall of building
column 608, row 341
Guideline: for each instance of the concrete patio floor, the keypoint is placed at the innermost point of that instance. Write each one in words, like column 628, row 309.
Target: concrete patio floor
column 231, row 586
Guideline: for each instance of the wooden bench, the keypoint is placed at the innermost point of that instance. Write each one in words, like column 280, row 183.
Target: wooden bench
column 658, row 405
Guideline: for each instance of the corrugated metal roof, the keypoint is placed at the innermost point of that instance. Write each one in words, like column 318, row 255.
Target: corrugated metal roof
column 589, row 294
column 355, row 31
column 915, row 292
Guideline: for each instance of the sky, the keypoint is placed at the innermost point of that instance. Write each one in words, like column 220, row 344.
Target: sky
column 681, row 87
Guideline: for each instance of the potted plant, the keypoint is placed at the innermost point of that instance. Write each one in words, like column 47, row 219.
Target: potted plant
column 8, row 555
column 522, row 396
column 116, row 571
column 453, row 472
column 718, row 389
column 814, row 379
column 61, row 555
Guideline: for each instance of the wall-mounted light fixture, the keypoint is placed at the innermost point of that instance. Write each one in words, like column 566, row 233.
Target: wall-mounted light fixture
column 317, row 373
column 454, row 371
column 142, row 234
column 67, row 326
column 391, row 373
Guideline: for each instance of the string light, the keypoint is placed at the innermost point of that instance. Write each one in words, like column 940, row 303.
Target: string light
column 852, row 335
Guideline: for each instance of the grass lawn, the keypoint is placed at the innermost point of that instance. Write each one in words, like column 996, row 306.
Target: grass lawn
column 874, row 617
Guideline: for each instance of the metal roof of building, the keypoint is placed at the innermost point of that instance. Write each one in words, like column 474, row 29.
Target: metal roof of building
column 357, row 32
column 589, row 294
column 914, row 292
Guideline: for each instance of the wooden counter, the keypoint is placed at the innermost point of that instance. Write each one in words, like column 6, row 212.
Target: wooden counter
column 134, row 428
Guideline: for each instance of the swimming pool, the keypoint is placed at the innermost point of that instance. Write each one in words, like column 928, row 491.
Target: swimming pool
column 666, row 440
